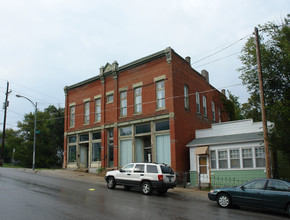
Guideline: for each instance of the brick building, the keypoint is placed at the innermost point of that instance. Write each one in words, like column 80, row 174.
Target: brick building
column 147, row 110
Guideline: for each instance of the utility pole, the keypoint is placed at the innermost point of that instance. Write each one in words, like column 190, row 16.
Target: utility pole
column 4, row 125
column 262, row 100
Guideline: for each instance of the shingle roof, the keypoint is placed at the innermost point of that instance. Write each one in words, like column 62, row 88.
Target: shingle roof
column 226, row 139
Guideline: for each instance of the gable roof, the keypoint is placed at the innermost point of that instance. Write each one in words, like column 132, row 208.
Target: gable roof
column 227, row 139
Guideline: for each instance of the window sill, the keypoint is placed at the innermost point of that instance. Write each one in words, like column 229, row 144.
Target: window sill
column 159, row 109
column 138, row 113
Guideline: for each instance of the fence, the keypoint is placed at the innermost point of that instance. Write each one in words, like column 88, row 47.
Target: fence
column 183, row 179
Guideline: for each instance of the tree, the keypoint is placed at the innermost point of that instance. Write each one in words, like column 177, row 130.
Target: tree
column 232, row 107
column 275, row 55
column 49, row 138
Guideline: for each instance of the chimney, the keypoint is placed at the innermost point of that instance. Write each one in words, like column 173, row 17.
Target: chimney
column 224, row 92
column 188, row 60
column 204, row 73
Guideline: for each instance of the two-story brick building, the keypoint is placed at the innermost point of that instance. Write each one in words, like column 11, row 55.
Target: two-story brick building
column 146, row 110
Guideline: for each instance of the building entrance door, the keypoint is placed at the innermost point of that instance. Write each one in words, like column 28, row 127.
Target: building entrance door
column 84, row 160
column 203, row 169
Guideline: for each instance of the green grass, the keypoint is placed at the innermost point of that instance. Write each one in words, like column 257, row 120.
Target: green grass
column 9, row 165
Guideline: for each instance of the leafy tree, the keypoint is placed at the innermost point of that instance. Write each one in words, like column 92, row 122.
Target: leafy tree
column 233, row 107
column 275, row 58
column 49, row 138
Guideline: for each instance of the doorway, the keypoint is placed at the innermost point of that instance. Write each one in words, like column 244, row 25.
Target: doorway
column 203, row 169
column 84, row 155
column 143, row 149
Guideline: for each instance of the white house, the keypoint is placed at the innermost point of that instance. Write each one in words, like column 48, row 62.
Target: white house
column 231, row 152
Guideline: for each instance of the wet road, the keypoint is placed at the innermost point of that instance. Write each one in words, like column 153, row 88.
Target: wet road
column 25, row 195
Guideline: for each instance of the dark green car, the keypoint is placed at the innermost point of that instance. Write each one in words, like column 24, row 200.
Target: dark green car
column 270, row 194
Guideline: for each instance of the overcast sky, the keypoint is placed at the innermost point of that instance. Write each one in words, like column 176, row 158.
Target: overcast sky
column 46, row 45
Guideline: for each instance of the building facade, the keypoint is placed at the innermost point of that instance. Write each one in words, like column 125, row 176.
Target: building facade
column 228, row 153
column 146, row 110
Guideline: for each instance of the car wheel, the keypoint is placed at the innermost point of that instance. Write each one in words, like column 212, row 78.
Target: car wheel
column 288, row 210
column 146, row 188
column 162, row 191
column 127, row 187
column 111, row 183
column 224, row 200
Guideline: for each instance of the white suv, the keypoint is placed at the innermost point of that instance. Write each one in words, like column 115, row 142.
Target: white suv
column 148, row 176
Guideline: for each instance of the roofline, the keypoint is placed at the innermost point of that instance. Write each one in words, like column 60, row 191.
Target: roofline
column 130, row 65
column 226, row 142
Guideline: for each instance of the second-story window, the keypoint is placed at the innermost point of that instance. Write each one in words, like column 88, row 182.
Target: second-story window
column 98, row 110
column 219, row 112
column 110, row 98
column 72, row 116
column 186, row 97
column 213, row 110
column 86, row 112
column 197, row 102
column 204, row 106
column 160, row 95
column 138, row 100
column 123, row 107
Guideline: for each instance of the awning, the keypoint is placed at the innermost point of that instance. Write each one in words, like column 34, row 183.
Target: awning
column 201, row 150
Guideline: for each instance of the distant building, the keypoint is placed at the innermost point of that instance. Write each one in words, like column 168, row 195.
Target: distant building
column 228, row 153
column 146, row 110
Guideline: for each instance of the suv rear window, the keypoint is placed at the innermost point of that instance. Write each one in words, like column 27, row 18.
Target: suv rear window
column 152, row 169
column 167, row 170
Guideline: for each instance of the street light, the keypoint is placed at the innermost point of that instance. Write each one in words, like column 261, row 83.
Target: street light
column 35, row 105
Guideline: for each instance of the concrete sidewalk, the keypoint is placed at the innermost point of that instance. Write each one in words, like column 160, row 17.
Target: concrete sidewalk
column 100, row 180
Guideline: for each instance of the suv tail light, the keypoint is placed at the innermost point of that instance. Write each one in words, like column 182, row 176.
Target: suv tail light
column 160, row 177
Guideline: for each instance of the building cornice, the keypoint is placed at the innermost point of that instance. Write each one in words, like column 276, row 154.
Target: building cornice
column 113, row 69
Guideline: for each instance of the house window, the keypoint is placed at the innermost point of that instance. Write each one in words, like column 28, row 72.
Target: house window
column 160, row 95
column 235, row 158
column 72, row 116
column 213, row 159
column 204, row 106
column 123, row 97
column 86, row 112
column 186, row 97
column 213, row 110
column 138, row 100
column 110, row 98
column 97, row 110
column 223, row 159
column 247, row 158
column 72, row 153
column 260, row 156
column 197, row 103
column 220, row 120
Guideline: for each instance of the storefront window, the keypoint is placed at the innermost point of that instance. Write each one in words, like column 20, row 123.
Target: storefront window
column 125, row 131
column 145, row 128
column 161, row 126
column 72, row 139
column 97, row 136
column 72, row 153
column 84, row 137
column 96, row 152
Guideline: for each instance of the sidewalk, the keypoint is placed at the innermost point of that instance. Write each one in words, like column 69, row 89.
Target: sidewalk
column 99, row 179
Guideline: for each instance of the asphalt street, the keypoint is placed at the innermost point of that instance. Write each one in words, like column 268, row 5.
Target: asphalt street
column 71, row 195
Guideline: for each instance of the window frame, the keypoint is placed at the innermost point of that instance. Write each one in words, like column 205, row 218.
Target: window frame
column 235, row 158
column 227, row 161
column 197, row 99
column 137, row 102
column 160, row 90
column 72, row 116
column 204, row 105
column 98, row 116
column 86, row 112
column 247, row 158
column 123, row 100
column 186, row 96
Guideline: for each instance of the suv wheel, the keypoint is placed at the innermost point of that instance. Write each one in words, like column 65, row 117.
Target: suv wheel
column 146, row 188
column 111, row 183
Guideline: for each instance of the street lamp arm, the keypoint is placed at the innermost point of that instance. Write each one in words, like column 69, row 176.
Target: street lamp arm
column 20, row 96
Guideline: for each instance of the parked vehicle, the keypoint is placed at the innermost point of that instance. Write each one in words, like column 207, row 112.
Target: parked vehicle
column 148, row 176
column 270, row 194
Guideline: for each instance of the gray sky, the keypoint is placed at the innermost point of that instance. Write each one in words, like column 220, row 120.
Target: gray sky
column 46, row 45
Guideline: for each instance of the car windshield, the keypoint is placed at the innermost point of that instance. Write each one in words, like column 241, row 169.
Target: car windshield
column 167, row 170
